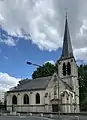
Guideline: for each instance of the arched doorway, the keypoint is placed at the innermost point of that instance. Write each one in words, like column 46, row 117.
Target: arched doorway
column 55, row 106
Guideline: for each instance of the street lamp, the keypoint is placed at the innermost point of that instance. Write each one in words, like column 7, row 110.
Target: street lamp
column 58, row 98
column 30, row 63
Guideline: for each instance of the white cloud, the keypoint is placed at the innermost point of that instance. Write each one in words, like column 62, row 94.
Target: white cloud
column 37, row 17
column 81, row 54
column 7, row 81
column 50, row 61
column 9, row 41
column 44, row 21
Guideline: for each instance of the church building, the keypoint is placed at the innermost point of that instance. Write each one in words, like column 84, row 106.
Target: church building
column 59, row 92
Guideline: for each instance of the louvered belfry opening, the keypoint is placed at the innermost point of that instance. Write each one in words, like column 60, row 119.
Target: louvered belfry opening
column 64, row 69
column 68, row 68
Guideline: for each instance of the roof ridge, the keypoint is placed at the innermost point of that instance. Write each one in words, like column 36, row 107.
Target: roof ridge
column 42, row 77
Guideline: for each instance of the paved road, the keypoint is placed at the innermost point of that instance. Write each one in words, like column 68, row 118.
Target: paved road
column 22, row 118
column 40, row 118
column 66, row 117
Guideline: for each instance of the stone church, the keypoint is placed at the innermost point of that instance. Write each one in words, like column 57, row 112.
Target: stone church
column 59, row 92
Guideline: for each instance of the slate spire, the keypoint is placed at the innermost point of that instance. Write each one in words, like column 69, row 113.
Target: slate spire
column 67, row 51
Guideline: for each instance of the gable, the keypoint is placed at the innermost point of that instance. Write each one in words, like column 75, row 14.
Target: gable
column 54, row 81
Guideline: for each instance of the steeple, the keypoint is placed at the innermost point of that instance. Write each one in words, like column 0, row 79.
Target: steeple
column 67, row 51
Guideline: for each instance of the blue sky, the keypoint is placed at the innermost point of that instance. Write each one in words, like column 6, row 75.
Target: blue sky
column 33, row 31
column 13, row 58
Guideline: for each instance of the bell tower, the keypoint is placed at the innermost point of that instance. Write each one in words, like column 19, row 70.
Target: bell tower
column 67, row 68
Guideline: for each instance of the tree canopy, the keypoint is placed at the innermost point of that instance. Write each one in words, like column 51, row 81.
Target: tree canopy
column 46, row 70
column 82, row 73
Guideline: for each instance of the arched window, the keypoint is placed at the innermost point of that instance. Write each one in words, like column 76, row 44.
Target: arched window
column 68, row 68
column 37, row 98
column 14, row 99
column 26, row 99
column 64, row 69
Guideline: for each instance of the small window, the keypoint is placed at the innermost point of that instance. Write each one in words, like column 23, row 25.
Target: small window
column 64, row 69
column 55, row 93
column 67, row 98
column 37, row 98
column 46, row 94
column 72, row 60
column 68, row 68
column 14, row 99
column 26, row 99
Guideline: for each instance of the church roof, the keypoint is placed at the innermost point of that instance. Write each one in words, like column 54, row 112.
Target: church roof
column 33, row 84
column 67, row 51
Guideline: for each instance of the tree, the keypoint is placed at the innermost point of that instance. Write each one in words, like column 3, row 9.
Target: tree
column 84, row 104
column 46, row 70
column 82, row 73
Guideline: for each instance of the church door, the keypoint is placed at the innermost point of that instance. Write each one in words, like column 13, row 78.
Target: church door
column 55, row 108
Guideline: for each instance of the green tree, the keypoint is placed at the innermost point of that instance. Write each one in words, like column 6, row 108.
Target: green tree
column 82, row 72
column 46, row 70
column 84, row 104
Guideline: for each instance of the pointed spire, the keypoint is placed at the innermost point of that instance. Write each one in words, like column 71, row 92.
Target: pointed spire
column 66, row 13
column 67, row 51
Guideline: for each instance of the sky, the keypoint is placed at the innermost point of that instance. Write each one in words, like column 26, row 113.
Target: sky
column 32, row 30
